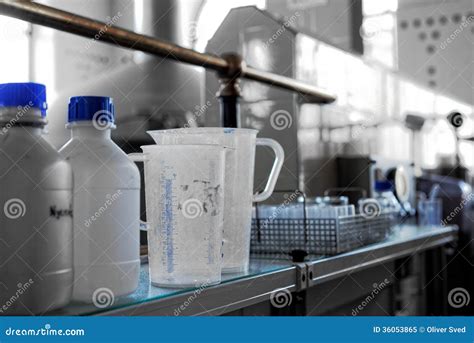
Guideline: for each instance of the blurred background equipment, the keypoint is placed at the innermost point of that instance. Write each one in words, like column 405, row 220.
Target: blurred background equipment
column 151, row 93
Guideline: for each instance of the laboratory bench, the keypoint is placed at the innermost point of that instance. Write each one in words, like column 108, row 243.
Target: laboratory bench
column 403, row 271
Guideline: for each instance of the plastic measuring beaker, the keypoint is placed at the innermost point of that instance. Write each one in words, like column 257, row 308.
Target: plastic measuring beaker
column 184, row 206
column 239, row 177
column 430, row 212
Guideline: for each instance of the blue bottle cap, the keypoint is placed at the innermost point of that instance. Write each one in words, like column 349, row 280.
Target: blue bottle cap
column 99, row 109
column 26, row 94
column 382, row 186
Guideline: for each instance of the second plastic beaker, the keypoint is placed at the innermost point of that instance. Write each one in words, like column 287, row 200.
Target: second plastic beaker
column 430, row 212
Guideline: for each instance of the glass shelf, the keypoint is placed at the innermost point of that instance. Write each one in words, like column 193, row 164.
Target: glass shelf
column 147, row 292
column 267, row 270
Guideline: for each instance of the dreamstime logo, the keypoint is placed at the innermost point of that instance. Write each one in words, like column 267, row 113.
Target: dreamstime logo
column 47, row 330
column 192, row 208
column 102, row 120
column 369, row 29
column 459, row 297
column 280, row 298
column 103, row 297
column 192, row 30
column 14, row 208
column 281, row 120
column 456, row 119
column 369, row 208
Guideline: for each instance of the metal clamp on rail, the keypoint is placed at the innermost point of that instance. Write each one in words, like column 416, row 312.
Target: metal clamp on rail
column 229, row 93
column 302, row 278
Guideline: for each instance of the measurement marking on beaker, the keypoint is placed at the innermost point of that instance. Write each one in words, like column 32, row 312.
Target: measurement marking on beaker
column 168, row 221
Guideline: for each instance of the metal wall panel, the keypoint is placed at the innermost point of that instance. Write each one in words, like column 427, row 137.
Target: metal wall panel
column 435, row 45
column 249, row 32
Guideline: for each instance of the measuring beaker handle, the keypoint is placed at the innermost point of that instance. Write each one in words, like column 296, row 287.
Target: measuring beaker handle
column 276, row 168
column 139, row 157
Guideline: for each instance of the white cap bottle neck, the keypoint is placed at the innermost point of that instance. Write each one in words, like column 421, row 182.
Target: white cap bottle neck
column 88, row 130
column 13, row 116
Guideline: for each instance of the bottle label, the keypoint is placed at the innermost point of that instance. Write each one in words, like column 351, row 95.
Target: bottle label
column 36, row 243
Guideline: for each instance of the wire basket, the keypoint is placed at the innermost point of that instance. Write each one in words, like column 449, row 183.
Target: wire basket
column 319, row 236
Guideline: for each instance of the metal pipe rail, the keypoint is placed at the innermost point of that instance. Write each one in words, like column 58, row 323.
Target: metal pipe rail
column 68, row 22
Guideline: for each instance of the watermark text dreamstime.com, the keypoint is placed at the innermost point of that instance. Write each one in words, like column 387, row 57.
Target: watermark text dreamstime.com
column 358, row 131
column 377, row 288
column 110, row 21
column 22, row 288
column 282, row 29
column 446, row 221
column 22, row 110
column 199, row 110
column 190, row 299
column 101, row 210
column 462, row 26
column 47, row 330
column 292, row 197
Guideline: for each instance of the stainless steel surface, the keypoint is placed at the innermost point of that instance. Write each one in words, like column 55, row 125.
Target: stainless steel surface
column 433, row 44
column 171, row 20
column 243, row 290
column 337, row 22
column 64, row 21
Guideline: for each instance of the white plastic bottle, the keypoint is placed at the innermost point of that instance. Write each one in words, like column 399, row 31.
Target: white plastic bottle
column 36, row 184
column 106, row 204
